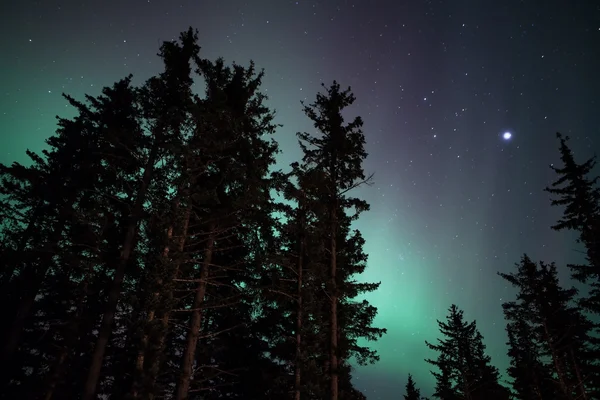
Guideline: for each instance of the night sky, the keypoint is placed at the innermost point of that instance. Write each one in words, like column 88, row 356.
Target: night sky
column 437, row 83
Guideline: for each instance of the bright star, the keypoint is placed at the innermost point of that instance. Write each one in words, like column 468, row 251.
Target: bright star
column 507, row 135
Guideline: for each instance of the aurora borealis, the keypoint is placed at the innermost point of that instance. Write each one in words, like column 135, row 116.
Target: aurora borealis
column 438, row 84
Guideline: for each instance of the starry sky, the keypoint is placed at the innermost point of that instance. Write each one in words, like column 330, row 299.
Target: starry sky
column 437, row 83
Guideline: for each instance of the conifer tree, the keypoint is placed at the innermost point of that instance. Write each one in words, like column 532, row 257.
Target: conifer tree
column 287, row 302
column 58, row 281
column 36, row 208
column 169, row 205
column 164, row 101
column 558, row 327
column 465, row 371
column 579, row 194
column 239, row 124
column 336, row 158
column 412, row 392
column 95, row 233
column 531, row 378
column 38, row 204
column 297, row 299
column 287, row 282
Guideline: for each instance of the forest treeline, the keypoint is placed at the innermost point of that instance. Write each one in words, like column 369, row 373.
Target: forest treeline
column 152, row 251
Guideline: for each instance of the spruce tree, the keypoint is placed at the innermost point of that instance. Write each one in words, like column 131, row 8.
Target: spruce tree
column 164, row 101
column 96, row 232
column 531, row 378
column 296, row 302
column 168, row 101
column 559, row 328
column 283, row 302
column 412, row 392
column 464, row 370
column 579, row 195
column 232, row 196
column 70, row 234
column 38, row 203
column 335, row 159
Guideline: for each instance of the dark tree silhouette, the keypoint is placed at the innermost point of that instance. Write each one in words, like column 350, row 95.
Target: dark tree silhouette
column 239, row 202
column 336, row 156
column 289, row 286
column 465, row 371
column 412, row 392
column 164, row 101
column 531, row 378
column 558, row 328
column 577, row 192
column 297, row 295
column 71, row 218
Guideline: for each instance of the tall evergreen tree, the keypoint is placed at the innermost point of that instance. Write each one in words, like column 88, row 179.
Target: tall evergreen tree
column 169, row 204
column 579, row 194
column 76, row 167
column 557, row 326
column 531, row 378
column 296, row 302
column 238, row 125
column 336, row 158
column 165, row 100
column 93, row 237
column 412, row 392
column 284, row 304
column 465, row 371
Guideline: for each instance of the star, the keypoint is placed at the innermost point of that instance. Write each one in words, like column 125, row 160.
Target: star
column 507, row 135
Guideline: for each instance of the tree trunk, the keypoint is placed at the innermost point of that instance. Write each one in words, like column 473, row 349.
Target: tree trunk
column 74, row 328
column 139, row 362
column 562, row 379
column 105, row 331
column 196, row 321
column 153, row 370
column 537, row 387
column 298, row 361
column 580, row 379
column 333, row 334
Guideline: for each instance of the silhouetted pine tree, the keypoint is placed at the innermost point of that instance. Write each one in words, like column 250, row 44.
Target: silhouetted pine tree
column 355, row 318
column 465, row 371
column 167, row 100
column 164, row 100
column 336, row 157
column 578, row 193
column 283, row 308
column 295, row 303
column 96, row 235
column 412, row 392
column 38, row 202
column 580, row 196
column 60, row 288
column 231, row 200
column 558, row 326
column 36, row 207
column 444, row 380
column 531, row 378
